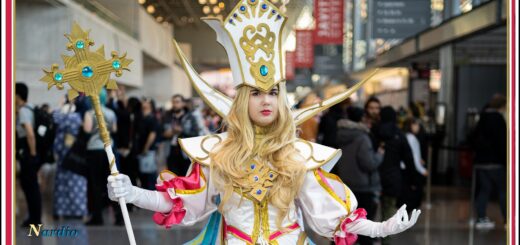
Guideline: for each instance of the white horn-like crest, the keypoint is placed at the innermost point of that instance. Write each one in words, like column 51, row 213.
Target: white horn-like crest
column 219, row 102
column 302, row 115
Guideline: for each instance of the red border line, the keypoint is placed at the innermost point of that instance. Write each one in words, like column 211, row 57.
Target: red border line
column 9, row 121
column 513, row 120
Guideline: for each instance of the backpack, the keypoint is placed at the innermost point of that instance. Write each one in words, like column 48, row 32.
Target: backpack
column 44, row 131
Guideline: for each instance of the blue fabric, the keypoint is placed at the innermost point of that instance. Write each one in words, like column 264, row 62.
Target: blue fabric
column 70, row 189
column 210, row 233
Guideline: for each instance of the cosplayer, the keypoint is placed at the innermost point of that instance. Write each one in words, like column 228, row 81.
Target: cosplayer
column 257, row 180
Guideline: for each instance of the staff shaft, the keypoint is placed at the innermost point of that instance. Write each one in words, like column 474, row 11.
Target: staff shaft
column 105, row 137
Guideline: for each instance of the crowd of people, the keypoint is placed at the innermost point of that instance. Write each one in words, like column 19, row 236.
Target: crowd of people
column 383, row 161
column 141, row 134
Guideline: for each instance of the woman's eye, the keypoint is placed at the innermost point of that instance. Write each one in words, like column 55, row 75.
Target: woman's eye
column 255, row 93
column 273, row 92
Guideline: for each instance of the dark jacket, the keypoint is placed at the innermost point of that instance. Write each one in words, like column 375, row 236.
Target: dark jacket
column 328, row 126
column 490, row 139
column 358, row 164
column 397, row 150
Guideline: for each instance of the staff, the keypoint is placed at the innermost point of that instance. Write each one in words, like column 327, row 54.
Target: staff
column 88, row 72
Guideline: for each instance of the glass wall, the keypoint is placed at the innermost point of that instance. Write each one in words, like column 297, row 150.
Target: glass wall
column 363, row 18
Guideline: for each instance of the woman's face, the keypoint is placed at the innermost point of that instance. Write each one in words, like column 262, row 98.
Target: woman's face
column 263, row 106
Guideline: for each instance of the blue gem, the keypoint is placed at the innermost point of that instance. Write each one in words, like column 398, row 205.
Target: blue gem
column 58, row 76
column 80, row 44
column 87, row 71
column 278, row 17
column 264, row 6
column 259, row 192
column 242, row 8
column 252, row 166
column 264, row 70
column 256, row 178
column 274, row 11
column 235, row 15
column 270, row 175
column 116, row 64
column 253, row 1
column 231, row 21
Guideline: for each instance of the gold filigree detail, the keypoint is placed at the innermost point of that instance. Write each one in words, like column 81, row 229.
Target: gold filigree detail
column 258, row 181
column 254, row 42
column 206, row 150
column 311, row 156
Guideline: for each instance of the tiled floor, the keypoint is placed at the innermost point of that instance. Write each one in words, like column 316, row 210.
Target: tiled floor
column 445, row 223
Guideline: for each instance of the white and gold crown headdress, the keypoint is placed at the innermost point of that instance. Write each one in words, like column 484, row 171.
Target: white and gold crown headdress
column 252, row 37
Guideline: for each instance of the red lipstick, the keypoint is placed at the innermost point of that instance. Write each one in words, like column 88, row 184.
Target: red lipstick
column 266, row 112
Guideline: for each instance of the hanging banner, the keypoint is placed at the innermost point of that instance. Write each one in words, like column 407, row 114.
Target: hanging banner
column 289, row 65
column 329, row 21
column 304, row 49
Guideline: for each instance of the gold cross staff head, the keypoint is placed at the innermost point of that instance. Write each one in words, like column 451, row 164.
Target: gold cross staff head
column 86, row 72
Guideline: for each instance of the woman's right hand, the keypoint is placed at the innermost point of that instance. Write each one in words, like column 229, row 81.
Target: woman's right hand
column 120, row 186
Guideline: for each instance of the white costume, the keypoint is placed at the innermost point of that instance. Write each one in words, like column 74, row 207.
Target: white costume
column 251, row 35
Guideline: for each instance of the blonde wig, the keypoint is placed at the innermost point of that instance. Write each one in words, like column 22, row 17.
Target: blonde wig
column 232, row 156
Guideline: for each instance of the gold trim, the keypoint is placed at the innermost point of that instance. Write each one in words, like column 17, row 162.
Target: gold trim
column 191, row 156
column 265, row 221
column 196, row 191
column 311, row 157
column 301, row 238
column 112, row 162
column 319, row 165
column 333, row 101
column 248, row 243
column 185, row 63
column 166, row 171
column 331, row 192
column 256, row 225
column 204, row 149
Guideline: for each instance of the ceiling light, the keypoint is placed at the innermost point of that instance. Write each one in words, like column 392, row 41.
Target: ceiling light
column 213, row 1
column 141, row 1
column 221, row 5
column 206, row 9
column 202, row 2
column 216, row 9
column 150, row 9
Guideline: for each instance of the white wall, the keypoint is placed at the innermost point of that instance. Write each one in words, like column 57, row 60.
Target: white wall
column 40, row 42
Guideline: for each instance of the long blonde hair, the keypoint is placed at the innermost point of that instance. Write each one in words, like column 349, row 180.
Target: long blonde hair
column 230, row 157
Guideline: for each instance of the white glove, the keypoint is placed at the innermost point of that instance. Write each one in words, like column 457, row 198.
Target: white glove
column 121, row 186
column 397, row 224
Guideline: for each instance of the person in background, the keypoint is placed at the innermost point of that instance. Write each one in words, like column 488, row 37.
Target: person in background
column 97, row 158
column 396, row 151
column 414, row 188
column 490, row 146
column 180, row 123
column 70, row 195
column 146, row 144
column 26, row 154
column 129, row 165
column 195, row 107
column 119, row 103
column 213, row 120
column 371, row 119
column 327, row 129
column 358, row 164
column 309, row 128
